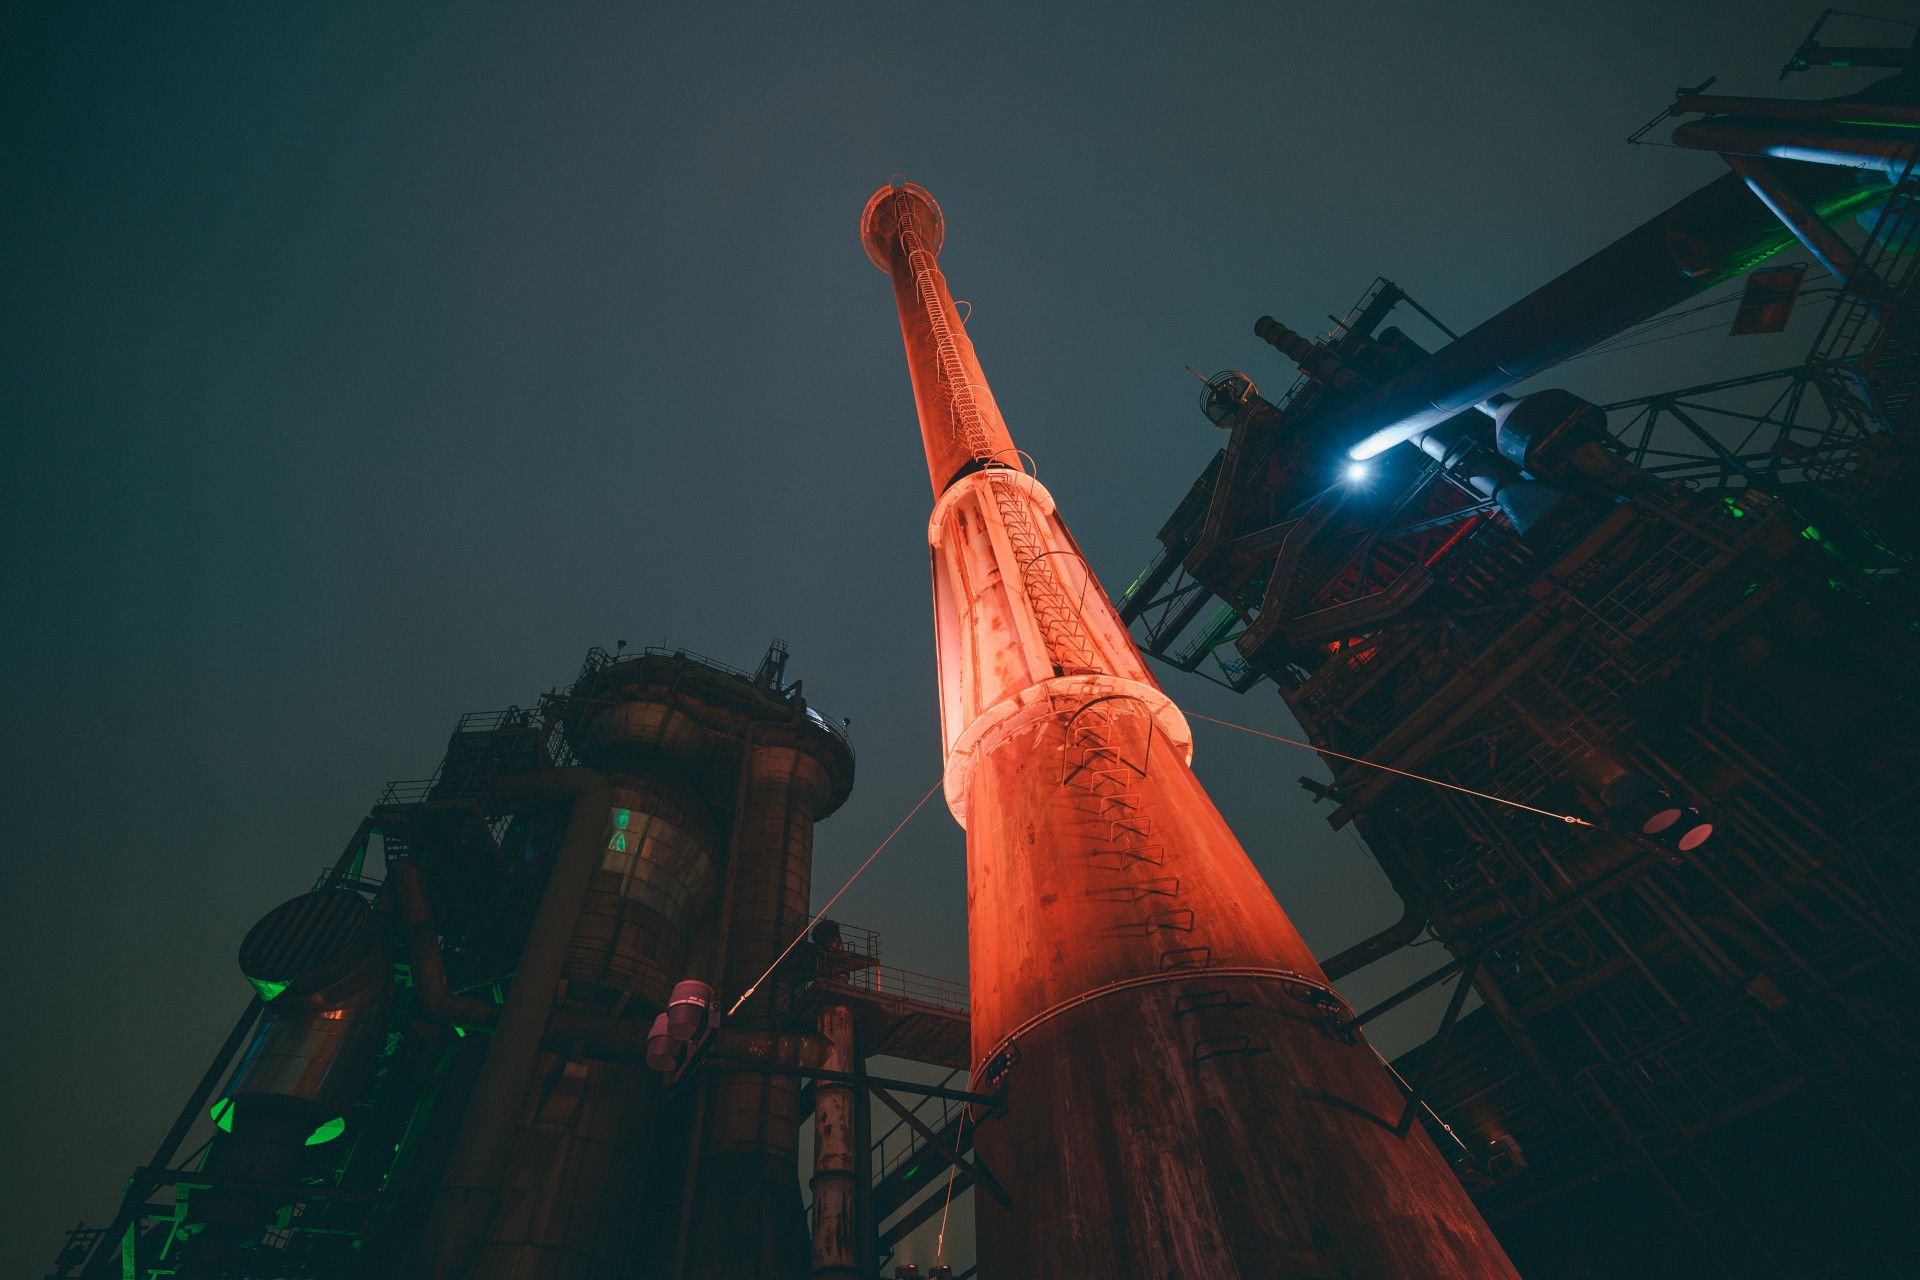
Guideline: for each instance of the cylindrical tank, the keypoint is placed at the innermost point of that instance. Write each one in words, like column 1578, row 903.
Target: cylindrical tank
column 702, row 765
column 654, row 886
column 580, row 1153
column 319, row 962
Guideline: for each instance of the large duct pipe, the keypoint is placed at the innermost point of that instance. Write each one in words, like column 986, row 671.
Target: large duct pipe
column 1414, row 914
column 1314, row 359
column 1808, row 227
column 470, row 1186
column 434, row 1000
column 1559, row 437
column 1844, row 112
column 1460, row 445
column 1463, row 444
column 1711, row 236
column 1851, row 146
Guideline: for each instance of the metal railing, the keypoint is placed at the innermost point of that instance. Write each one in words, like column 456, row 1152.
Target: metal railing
column 494, row 721
column 902, row 984
column 599, row 659
column 407, row 791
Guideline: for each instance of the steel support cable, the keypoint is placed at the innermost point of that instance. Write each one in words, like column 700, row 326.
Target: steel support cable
column 953, row 1171
column 1567, row 818
column 828, row 905
column 1622, row 341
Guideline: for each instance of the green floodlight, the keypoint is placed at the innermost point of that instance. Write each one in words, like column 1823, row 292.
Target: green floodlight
column 328, row 1131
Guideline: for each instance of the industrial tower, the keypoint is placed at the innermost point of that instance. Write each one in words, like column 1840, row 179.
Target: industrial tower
column 1184, row 1094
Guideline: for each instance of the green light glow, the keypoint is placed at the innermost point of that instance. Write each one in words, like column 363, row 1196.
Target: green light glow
column 619, row 842
column 328, row 1131
column 268, row 990
column 460, row 1031
column 621, row 817
column 1820, row 540
column 1735, row 508
column 222, row 1115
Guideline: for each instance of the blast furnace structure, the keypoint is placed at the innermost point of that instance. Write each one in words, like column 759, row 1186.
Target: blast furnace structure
column 1689, row 616
column 1183, row 1093
column 466, row 1058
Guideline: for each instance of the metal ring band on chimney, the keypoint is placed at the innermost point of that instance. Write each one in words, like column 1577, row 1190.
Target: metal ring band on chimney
column 1322, row 994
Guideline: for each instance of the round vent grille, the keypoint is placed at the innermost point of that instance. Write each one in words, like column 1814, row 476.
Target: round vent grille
column 315, row 937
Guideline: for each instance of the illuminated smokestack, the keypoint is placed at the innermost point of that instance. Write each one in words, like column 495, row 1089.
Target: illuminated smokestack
column 1182, row 1099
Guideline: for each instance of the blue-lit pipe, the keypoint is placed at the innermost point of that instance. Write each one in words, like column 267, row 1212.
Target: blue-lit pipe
column 1709, row 237
column 1889, row 150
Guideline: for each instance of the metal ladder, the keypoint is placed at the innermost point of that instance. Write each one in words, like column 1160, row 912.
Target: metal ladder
column 1069, row 647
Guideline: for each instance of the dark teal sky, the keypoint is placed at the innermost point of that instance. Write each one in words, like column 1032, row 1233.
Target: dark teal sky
column 363, row 364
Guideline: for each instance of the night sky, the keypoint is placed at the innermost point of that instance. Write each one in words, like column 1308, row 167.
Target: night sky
column 364, row 364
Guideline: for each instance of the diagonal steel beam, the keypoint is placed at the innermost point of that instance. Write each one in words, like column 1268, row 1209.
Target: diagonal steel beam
column 940, row 1145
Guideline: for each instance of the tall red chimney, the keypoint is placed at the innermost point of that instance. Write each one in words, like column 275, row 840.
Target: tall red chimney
column 1181, row 1098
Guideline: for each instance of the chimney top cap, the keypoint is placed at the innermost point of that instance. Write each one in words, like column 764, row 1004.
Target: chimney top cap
column 880, row 222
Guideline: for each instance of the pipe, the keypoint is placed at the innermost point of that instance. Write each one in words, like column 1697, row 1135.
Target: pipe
column 1413, row 918
column 1708, row 237
column 1314, row 359
column 1848, row 55
column 470, row 1186
column 1559, row 437
column 833, row 1157
column 1852, row 147
column 1453, row 444
column 1807, row 226
column 1791, row 109
column 604, row 1037
column 866, row 1232
column 433, row 998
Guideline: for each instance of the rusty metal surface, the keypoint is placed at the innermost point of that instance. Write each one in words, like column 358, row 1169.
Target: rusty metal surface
column 1181, row 1099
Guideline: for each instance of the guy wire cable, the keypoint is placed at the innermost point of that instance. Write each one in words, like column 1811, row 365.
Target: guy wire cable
column 821, row 914
column 1567, row 818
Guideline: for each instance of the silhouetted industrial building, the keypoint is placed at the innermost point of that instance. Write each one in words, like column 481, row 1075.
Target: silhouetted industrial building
column 1687, row 619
